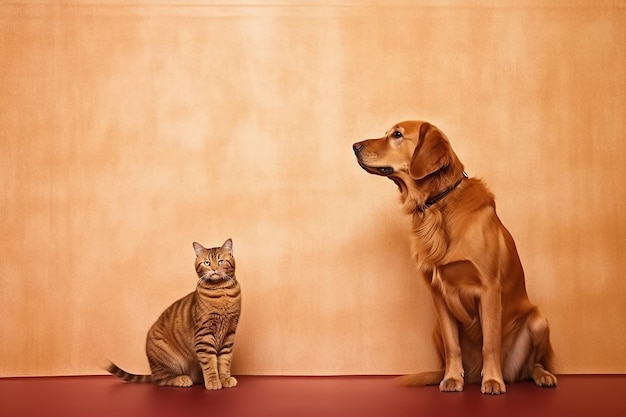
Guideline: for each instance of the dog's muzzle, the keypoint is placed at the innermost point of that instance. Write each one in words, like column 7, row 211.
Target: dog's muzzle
column 384, row 171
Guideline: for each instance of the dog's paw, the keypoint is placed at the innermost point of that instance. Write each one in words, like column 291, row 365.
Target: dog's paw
column 451, row 385
column 543, row 378
column 493, row 387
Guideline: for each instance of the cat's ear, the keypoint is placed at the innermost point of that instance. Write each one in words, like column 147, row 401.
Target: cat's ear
column 228, row 245
column 198, row 248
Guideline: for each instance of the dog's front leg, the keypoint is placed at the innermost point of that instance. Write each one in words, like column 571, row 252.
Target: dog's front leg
column 453, row 375
column 491, row 321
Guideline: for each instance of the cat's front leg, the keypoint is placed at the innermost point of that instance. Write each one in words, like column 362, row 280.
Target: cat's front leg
column 223, row 366
column 208, row 363
column 224, row 358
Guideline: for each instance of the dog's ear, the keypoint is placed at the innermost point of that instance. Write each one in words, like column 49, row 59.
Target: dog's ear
column 431, row 154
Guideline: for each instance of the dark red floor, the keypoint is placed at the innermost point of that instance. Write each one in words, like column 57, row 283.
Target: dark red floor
column 354, row 396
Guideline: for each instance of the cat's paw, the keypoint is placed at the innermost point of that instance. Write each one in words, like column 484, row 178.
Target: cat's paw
column 213, row 384
column 182, row 381
column 229, row 382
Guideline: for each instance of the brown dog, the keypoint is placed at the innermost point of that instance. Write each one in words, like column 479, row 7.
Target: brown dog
column 488, row 329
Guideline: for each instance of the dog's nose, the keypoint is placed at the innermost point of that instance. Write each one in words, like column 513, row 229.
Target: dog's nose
column 357, row 147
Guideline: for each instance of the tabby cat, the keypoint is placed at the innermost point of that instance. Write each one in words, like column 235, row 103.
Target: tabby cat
column 192, row 341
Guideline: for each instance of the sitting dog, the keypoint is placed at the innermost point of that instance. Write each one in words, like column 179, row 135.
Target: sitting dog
column 488, row 331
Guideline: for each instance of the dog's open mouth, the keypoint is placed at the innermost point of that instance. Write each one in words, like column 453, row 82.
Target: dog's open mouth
column 384, row 171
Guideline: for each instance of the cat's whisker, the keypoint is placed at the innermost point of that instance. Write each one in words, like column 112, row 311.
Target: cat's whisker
column 203, row 278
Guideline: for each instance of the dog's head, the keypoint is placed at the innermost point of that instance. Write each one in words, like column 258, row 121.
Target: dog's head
column 414, row 148
column 416, row 156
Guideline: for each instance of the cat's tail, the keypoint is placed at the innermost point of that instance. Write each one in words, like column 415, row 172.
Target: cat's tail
column 126, row 376
column 421, row 379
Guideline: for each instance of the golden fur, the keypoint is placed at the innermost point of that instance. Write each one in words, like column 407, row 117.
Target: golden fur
column 488, row 332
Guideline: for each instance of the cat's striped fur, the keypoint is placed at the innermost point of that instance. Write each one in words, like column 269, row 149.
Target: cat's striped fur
column 192, row 341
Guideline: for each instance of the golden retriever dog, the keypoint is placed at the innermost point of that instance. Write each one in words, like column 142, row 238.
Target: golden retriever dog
column 488, row 331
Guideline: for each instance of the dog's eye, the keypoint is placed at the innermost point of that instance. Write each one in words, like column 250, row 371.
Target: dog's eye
column 396, row 134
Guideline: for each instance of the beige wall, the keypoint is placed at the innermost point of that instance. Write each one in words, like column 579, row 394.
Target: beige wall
column 129, row 131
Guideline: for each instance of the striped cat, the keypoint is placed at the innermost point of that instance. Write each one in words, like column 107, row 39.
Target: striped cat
column 192, row 341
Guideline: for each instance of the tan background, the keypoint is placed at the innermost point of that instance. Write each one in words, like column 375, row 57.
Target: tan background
column 131, row 129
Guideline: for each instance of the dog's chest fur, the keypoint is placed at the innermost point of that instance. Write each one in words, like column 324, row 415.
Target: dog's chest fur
column 430, row 241
column 433, row 228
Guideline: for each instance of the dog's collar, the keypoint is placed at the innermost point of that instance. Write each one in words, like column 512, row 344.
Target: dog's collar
column 441, row 195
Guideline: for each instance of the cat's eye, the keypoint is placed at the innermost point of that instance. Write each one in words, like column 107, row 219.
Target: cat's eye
column 221, row 261
column 207, row 263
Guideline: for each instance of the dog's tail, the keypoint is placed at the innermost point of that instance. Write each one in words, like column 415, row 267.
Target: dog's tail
column 421, row 379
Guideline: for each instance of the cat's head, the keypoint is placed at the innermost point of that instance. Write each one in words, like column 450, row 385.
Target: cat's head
column 214, row 265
